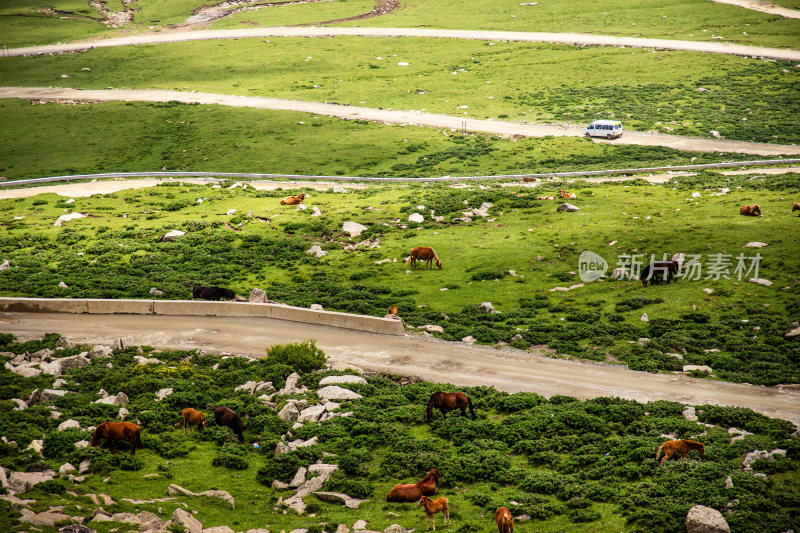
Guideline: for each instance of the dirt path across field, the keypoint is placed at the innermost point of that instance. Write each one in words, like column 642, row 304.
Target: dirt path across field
column 563, row 38
column 412, row 355
column 414, row 118
column 763, row 7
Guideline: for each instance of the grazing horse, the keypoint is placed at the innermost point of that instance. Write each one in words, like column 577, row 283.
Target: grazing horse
column 658, row 271
column 750, row 210
column 428, row 254
column 796, row 207
column 505, row 522
column 412, row 492
column 226, row 417
column 682, row 447
column 433, row 507
column 293, row 200
column 447, row 401
column 212, row 293
column 193, row 418
column 112, row 431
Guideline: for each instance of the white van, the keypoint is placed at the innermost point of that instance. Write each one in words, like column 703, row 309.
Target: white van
column 610, row 129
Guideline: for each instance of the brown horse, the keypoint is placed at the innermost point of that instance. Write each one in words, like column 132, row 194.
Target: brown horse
column 226, row 417
column 112, row 431
column 658, row 271
column 750, row 210
column 428, row 254
column 505, row 522
column 433, row 507
column 410, row 493
column 293, row 200
column 796, row 207
column 447, row 401
column 682, row 447
column 193, row 418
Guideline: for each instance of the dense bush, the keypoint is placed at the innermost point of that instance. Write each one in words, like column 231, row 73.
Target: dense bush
column 303, row 356
column 232, row 456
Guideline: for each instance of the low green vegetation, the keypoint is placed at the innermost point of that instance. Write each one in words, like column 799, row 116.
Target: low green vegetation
column 737, row 329
column 744, row 98
column 569, row 465
column 112, row 137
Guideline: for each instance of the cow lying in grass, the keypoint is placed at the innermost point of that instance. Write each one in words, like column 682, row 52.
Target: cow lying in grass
column 212, row 293
column 294, row 200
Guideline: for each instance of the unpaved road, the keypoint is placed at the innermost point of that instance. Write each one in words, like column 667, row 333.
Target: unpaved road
column 423, row 357
column 539, row 37
column 763, row 7
column 414, row 118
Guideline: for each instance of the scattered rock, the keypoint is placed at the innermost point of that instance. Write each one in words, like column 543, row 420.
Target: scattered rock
column 698, row 368
column 289, row 413
column 163, row 393
column 291, row 387
column 66, row 218
column 416, row 217
column 469, row 339
column 433, row 328
column 156, row 292
column 66, row 468
column 279, row 485
column 728, row 482
column 792, row 334
column 63, row 285
column 315, row 212
column 316, row 307
column 45, row 518
column 142, row 360
column 353, row 228
column 99, row 350
column 645, row 318
column 708, row 291
column 690, row 414
column 316, row 251
column 22, row 481
column 311, row 414
column 714, row 133
column 755, row 244
column 760, row 281
column 569, row 208
column 299, row 478
column 5, row 266
column 488, row 307
column 334, row 392
column 171, row 236
column 349, row 378
column 190, row 523
column 257, row 296
column 123, row 413
column 69, row 424
column 702, row 519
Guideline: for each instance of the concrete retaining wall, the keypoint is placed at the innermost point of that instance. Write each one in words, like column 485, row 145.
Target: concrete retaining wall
column 202, row 308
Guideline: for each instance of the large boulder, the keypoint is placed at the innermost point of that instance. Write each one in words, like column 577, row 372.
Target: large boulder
column 353, row 228
column 702, row 519
column 22, row 481
column 69, row 424
column 316, row 251
column 257, row 296
column 569, row 208
column 172, row 235
column 189, row 523
column 99, row 350
column 45, row 518
column 311, row 414
column 332, row 380
column 416, row 217
column 289, row 413
column 50, row 395
column 26, row 370
column 334, row 392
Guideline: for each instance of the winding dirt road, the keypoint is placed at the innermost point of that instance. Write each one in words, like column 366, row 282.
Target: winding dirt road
column 562, row 38
column 412, row 355
column 414, row 118
column 763, row 7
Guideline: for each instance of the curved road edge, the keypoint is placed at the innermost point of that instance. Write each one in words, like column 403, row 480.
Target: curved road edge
column 580, row 39
column 413, row 118
column 418, row 356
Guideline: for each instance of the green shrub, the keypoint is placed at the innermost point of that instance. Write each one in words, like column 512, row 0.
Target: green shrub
column 302, row 356
column 231, row 456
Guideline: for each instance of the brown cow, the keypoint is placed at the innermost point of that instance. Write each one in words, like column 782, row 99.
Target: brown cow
column 193, row 418
column 423, row 252
column 682, row 447
column 505, row 522
column 412, row 492
column 293, row 200
column 750, row 210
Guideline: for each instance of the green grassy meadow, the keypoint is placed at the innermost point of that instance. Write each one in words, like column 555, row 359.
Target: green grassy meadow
column 54, row 139
column 745, row 99
column 569, row 465
column 120, row 244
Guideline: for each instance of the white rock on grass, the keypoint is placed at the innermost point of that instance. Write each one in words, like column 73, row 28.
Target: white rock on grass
column 469, row 339
column 702, row 519
column 690, row 414
column 332, row 380
column 488, row 307
column 172, row 235
column 316, row 251
column 760, row 281
column 257, row 296
column 189, row 523
column 334, row 392
column 698, row 368
column 63, row 285
column 353, row 228
column 316, row 307
column 569, row 208
column 433, row 328
column 69, row 424
column 315, row 212
column 66, row 218
column 163, row 393
column 416, row 217
column 755, row 244
column 5, row 266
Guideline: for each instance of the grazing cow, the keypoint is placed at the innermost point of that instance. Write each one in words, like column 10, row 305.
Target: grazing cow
column 681, row 446
column 412, row 492
column 428, row 254
column 545, row 197
column 505, row 522
column 393, row 310
column 112, row 431
column 226, row 417
column 659, row 270
column 568, row 195
column 433, row 507
column 796, row 207
column 193, row 418
column 750, row 210
column 212, row 293
column 294, row 200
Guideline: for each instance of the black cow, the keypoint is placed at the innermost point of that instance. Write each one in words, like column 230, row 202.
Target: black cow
column 226, row 417
column 212, row 293
column 659, row 270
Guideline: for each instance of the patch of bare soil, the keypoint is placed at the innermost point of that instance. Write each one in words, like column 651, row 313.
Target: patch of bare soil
column 382, row 7
column 212, row 12
column 108, row 17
